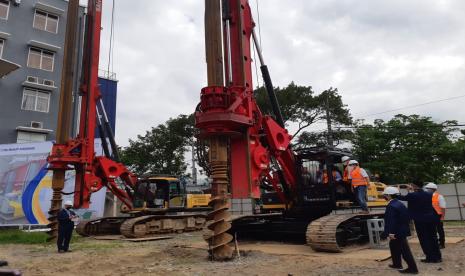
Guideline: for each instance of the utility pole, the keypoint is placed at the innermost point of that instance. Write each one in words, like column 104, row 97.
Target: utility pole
column 328, row 122
column 194, row 169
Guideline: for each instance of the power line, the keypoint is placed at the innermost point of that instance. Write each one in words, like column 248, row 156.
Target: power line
column 412, row 106
column 401, row 127
column 259, row 26
column 110, row 49
column 253, row 45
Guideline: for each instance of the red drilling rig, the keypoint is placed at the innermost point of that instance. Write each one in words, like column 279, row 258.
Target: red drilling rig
column 250, row 154
column 95, row 172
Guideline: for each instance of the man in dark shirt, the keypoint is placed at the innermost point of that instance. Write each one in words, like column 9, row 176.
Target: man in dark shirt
column 396, row 228
column 65, row 227
column 421, row 210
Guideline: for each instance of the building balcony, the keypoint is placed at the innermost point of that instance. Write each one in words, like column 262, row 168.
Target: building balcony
column 7, row 67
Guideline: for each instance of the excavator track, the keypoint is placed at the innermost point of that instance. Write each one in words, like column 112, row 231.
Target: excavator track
column 333, row 232
column 102, row 226
column 143, row 226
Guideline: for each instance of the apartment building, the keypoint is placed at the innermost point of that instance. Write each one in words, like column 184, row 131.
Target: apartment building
column 32, row 34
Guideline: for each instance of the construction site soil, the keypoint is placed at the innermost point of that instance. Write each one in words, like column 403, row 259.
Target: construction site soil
column 185, row 254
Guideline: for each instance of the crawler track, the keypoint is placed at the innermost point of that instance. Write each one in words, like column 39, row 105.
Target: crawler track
column 152, row 224
column 102, row 226
column 333, row 232
column 142, row 226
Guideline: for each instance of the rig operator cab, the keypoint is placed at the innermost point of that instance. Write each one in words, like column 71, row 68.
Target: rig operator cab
column 166, row 192
column 321, row 185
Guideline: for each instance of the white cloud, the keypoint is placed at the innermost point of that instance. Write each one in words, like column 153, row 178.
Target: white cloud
column 380, row 54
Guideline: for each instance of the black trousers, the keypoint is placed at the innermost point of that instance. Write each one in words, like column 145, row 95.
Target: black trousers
column 65, row 232
column 400, row 249
column 442, row 235
column 428, row 240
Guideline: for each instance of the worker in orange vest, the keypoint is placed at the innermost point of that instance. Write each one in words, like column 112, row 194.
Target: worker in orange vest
column 439, row 205
column 336, row 176
column 359, row 181
column 345, row 162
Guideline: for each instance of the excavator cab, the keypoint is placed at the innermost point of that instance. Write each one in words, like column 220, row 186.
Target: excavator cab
column 321, row 183
column 319, row 188
column 159, row 192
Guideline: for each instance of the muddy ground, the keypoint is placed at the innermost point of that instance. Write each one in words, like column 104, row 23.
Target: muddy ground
column 177, row 256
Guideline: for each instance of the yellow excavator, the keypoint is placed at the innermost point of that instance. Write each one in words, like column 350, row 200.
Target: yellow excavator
column 166, row 192
column 160, row 205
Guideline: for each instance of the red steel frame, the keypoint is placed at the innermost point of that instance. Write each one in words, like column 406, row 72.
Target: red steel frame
column 232, row 110
column 92, row 173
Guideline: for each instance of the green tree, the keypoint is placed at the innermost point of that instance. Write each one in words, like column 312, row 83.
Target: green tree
column 161, row 150
column 300, row 105
column 407, row 147
column 456, row 152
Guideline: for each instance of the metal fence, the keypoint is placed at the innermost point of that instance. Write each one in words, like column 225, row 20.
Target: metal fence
column 455, row 197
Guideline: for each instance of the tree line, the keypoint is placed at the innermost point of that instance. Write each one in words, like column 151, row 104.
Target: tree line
column 398, row 150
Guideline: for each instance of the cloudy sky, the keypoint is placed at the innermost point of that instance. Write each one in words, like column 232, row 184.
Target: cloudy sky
column 381, row 55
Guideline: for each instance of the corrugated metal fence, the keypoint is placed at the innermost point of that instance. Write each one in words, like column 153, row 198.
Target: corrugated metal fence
column 455, row 197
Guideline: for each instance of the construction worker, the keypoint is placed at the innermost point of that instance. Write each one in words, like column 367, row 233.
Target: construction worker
column 345, row 162
column 66, row 218
column 306, row 176
column 439, row 205
column 359, row 181
column 421, row 210
column 397, row 229
column 336, row 176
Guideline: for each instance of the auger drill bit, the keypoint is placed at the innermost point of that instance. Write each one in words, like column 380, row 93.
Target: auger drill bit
column 220, row 218
column 54, row 208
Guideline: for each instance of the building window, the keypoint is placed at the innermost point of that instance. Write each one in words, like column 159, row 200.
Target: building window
column 1, row 47
column 35, row 100
column 40, row 59
column 45, row 21
column 27, row 137
column 4, row 9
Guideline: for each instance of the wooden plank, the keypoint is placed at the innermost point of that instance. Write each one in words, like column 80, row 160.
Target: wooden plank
column 108, row 237
column 154, row 238
column 449, row 240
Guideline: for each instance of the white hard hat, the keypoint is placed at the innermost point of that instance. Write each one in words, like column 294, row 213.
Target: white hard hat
column 431, row 185
column 391, row 191
column 351, row 162
column 345, row 158
column 69, row 203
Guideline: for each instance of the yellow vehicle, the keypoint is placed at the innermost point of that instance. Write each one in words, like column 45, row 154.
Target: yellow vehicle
column 161, row 205
column 375, row 194
column 166, row 192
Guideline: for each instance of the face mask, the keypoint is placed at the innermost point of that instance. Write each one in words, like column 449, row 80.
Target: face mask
column 68, row 207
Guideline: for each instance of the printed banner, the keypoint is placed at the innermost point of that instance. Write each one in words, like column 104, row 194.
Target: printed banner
column 26, row 185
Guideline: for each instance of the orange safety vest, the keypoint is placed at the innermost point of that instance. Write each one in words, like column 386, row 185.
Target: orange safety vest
column 436, row 204
column 357, row 178
column 326, row 178
column 345, row 176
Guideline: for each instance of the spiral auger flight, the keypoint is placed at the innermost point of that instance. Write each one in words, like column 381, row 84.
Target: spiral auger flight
column 219, row 219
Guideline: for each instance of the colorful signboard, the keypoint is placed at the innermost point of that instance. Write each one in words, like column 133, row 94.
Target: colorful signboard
column 25, row 185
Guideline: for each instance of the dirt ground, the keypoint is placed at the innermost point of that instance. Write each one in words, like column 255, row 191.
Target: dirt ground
column 184, row 255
